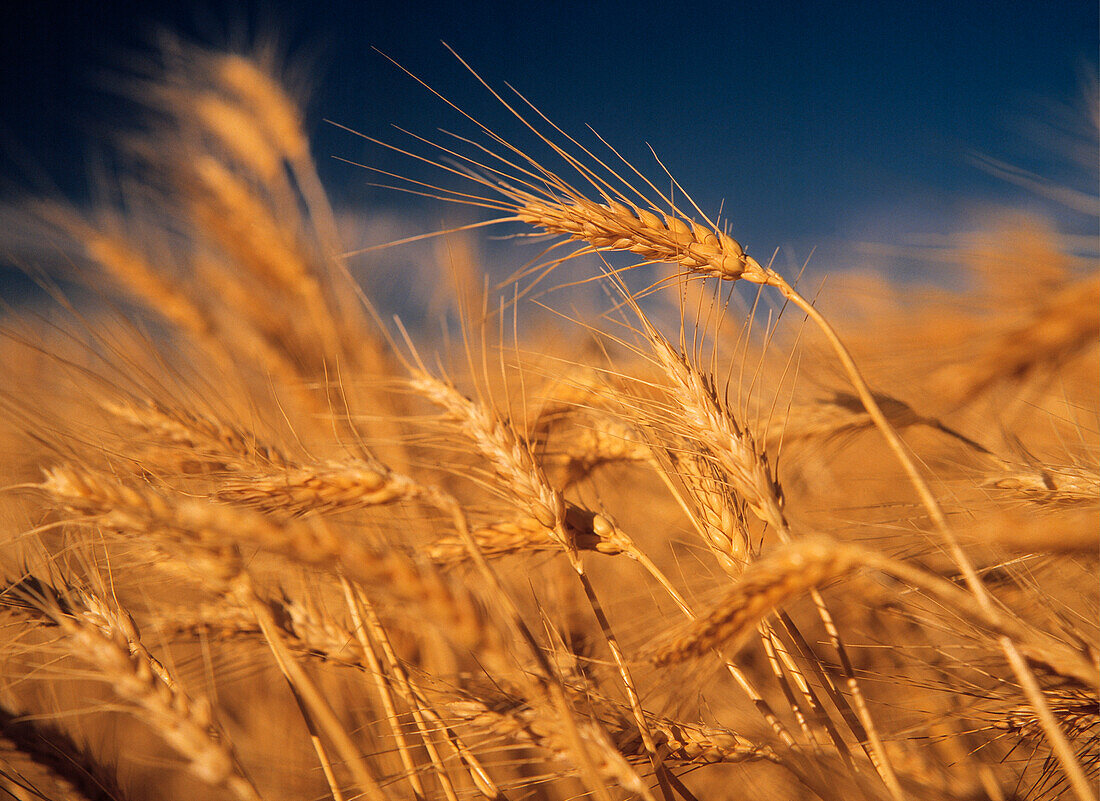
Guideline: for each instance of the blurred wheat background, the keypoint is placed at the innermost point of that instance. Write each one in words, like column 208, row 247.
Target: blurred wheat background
column 653, row 517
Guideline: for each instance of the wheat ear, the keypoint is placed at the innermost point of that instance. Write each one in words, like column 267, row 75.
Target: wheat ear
column 321, row 489
column 810, row 562
column 109, row 642
column 586, row 531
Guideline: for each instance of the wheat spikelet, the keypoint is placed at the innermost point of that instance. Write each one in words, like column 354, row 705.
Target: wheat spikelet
column 265, row 98
column 307, row 631
column 603, row 441
column 202, row 436
column 705, row 418
column 1064, row 325
column 540, row 728
column 238, row 130
column 131, row 270
column 229, row 209
column 1052, row 485
column 1078, row 711
column 716, row 514
column 508, row 714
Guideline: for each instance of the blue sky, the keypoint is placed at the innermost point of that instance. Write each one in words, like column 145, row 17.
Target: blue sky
column 812, row 123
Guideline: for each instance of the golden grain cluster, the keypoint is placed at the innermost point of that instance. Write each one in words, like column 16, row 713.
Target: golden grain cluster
column 259, row 541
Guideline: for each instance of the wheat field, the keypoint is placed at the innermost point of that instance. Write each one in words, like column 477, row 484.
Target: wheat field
column 650, row 519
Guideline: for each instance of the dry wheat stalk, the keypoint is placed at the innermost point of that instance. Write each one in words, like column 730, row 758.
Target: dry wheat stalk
column 705, row 421
column 843, row 414
column 522, row 476
column 278, row 116
column 233, row 218
column 131, row 269
column 229, row 210
column 373, row 635
column 305, row 630
column 244, row 125
column 1059, row 530
column 383, row 683
column 805, row 564
column 515, row 465
column 541, row 729
column 498, row 711
column 539, row 197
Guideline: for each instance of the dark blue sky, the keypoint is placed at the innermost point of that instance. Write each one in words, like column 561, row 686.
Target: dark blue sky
column 814, row 122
